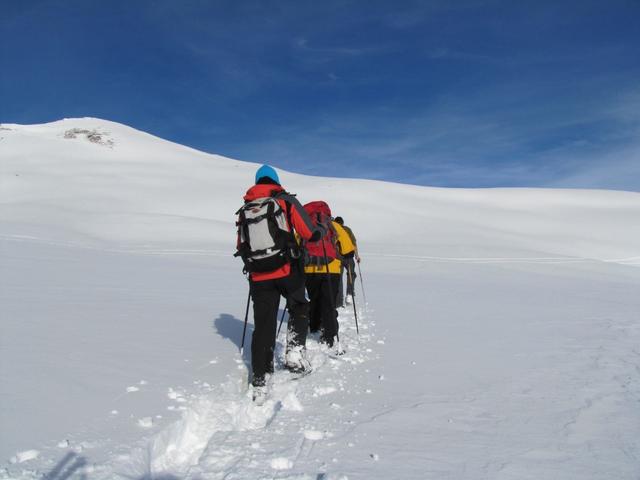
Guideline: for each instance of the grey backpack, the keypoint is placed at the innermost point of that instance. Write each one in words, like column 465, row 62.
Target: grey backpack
column 264, row 235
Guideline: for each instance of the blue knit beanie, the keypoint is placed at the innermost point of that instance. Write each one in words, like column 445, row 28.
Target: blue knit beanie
column 269, row 172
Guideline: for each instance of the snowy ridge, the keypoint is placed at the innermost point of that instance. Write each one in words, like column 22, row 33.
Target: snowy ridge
column 145, row 192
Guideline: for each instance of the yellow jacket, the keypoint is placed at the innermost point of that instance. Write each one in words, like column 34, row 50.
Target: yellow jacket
column 344, row 247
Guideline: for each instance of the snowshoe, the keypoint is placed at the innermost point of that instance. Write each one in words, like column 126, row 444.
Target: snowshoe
column 297, row 375
column 295, row 360
column 260, row 395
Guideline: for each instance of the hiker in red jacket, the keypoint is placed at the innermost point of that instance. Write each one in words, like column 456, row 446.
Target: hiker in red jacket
column 267, row 245
column 324, row 264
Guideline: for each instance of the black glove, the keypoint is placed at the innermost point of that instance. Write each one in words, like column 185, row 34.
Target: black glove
column 319, row 232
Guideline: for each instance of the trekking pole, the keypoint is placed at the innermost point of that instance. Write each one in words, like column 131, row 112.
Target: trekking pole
column 281, row 320
column 353, row 297
column 333, row 300
column 364, row 295
column 246, row 317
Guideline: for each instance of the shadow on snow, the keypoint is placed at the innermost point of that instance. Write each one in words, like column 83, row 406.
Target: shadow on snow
column 230, row 327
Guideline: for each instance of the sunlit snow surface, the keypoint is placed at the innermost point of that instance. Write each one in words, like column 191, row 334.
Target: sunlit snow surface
column 500, row 339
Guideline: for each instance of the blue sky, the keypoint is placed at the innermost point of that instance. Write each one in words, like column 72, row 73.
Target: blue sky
column 457, row 93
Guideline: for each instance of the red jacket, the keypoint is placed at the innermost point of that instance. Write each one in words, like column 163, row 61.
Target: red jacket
column 298, row 218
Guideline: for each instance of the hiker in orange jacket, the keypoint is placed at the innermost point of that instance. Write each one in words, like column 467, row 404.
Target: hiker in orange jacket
column 275, row 271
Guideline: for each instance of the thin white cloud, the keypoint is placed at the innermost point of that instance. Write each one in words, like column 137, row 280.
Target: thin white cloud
column 304, row 46
column 617, row 169
column 465, row 143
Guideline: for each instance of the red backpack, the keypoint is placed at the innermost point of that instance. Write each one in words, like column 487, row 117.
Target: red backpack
column 320, row 213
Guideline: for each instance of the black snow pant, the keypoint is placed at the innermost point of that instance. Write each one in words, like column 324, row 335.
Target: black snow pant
column 266, row 298
column 348, row 270
column 350, row 267
column 340, row 296
column 323, row 315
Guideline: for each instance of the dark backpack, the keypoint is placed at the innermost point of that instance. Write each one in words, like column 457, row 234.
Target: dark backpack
column 264, row 235
column 320, row 213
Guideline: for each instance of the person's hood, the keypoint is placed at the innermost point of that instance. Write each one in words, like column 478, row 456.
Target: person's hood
column 261, row 191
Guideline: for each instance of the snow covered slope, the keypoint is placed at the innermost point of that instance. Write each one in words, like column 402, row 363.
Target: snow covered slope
column 136, row 190
column 500, row 339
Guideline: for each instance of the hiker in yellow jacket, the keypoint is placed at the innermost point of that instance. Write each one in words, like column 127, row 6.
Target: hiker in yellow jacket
column 322, row 282
column 349, row 265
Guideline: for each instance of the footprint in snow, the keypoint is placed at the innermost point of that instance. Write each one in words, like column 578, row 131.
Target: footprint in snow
column 146, row 422
column 25, row 456
column 321, row 391
column 292, row 403
column 281, row 463
column 314, row 435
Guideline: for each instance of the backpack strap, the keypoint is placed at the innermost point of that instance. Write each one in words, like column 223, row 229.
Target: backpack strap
column 293, row 202
column 286, row 196
column 334, row 239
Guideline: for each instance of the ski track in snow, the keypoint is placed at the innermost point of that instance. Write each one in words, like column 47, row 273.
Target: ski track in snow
column 222, row 434
column 498, row 260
